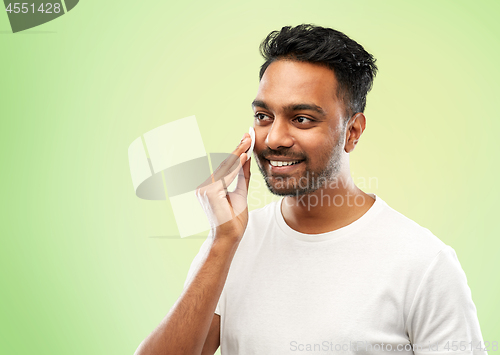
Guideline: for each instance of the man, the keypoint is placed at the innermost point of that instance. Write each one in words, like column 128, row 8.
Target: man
column 327, row 268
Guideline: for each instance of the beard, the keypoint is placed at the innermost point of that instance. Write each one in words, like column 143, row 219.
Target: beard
column 309, row 180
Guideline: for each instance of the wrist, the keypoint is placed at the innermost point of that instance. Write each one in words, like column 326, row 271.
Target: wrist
column 225, row 242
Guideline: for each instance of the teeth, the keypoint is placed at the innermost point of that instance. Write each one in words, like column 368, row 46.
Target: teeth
column 282, row 163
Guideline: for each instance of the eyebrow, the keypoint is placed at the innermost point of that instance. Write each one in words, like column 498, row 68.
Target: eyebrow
column 292, row 107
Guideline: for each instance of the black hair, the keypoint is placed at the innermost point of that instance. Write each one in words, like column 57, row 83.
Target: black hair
column 354, row 68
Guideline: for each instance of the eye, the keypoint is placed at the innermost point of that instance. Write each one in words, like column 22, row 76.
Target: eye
column 261, row 117
column 303, row 120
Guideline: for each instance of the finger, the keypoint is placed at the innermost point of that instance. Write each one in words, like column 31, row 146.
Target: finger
column 241, row 192
column 223, row 171
column 244, row 144
column 243, row 178
column 231, row 162
column 247, row 173
column 233, row 173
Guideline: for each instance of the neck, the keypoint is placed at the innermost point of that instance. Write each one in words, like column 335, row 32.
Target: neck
column 331, row 207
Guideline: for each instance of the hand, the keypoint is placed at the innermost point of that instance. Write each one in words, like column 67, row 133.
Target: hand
column 227, row 212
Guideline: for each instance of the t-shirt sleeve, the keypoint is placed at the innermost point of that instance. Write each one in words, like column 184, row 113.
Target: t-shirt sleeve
column 196, row 263
column 443, row 313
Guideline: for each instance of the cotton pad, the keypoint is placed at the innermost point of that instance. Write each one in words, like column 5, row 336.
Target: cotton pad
column 250, row 150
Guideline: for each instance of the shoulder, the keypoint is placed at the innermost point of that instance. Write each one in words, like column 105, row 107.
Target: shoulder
column 404, row 236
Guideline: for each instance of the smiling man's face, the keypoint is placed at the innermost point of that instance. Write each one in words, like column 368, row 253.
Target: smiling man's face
column 300, row 121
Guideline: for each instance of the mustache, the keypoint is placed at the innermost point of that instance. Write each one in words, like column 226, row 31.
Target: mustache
column 282, row 153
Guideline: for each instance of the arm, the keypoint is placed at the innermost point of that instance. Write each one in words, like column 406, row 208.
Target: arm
column 185, row 328
column 443, row 314
column 191, row 327
column 213, row 339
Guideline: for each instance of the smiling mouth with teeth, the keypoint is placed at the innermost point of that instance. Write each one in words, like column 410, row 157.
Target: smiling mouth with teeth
column 283, row 163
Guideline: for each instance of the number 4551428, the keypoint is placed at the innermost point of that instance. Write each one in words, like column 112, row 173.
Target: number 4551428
column 25, row 7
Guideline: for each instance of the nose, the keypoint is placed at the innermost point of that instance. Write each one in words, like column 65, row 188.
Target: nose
column 278, row 135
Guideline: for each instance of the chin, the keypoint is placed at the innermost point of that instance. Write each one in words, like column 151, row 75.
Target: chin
column 288, row 191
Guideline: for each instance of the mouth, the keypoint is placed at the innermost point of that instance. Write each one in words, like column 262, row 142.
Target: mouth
column 283, row 166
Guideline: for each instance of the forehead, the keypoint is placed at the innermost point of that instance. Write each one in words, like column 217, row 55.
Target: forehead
column 293, row 81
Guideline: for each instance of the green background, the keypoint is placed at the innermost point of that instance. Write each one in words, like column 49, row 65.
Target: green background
column 88, row 268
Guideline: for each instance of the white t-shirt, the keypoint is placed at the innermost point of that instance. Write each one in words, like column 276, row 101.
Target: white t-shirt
column 377, row 285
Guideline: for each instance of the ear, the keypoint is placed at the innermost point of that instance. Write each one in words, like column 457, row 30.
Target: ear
column 354, row 129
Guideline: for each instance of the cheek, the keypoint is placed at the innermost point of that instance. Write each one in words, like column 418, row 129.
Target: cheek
column 317, row 144
column 260, row 141
column 319, row 149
